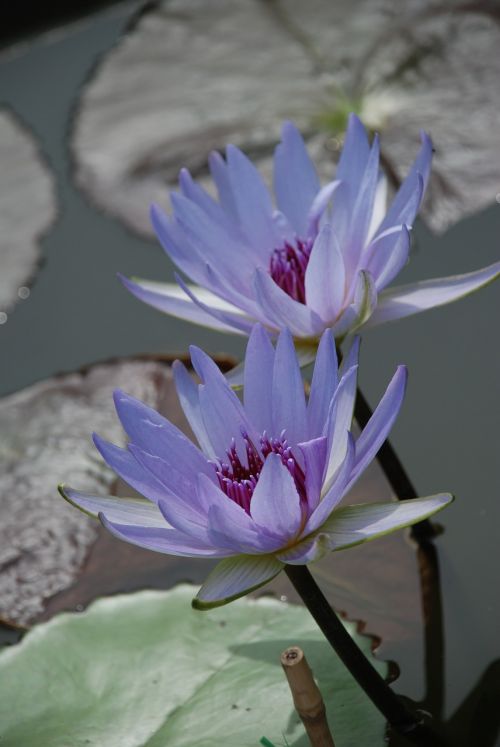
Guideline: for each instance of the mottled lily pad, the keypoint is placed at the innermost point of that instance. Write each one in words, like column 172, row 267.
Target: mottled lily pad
column 46, row 436
column 145, row 670
column 186, row 78
column 27, row 208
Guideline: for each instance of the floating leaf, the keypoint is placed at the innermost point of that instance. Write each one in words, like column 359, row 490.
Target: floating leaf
column 145, row 670
column 186, row 79
column 46, row 431
column 27, row 208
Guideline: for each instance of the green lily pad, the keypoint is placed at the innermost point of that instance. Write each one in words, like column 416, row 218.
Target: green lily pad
column 146, row 670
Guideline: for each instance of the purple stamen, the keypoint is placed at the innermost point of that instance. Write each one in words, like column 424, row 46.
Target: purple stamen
column 288, row 267
column 238, row 481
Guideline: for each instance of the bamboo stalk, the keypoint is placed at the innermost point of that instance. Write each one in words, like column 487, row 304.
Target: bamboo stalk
column 307, row 697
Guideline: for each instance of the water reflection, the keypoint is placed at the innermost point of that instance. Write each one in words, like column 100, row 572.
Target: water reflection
column 477, row 720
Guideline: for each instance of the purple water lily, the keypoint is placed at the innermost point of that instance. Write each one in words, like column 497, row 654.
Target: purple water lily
column 263, row 488
column 323, row 258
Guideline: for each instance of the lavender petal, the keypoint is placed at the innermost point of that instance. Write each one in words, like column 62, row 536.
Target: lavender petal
column 235, row 577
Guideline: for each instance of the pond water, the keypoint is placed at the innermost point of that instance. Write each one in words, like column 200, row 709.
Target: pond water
column 447, row 435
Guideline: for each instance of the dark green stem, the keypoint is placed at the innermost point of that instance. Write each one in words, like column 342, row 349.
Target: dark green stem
column 377, row 689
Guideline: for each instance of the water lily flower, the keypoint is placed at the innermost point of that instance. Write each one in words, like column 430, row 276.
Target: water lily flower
column 263, row 488
column 322, row 257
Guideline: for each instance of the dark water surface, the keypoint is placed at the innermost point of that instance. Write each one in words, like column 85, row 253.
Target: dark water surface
column 447, row 434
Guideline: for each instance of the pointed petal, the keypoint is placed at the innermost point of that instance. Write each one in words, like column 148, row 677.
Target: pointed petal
column 232, row 528
column 314, row 453
column 171, row 299
column 323, row 384
column 283, row 229
column 334, row 491
column 361, row 213
column 296, row 182
column 258, row 379
column 379, row 205
column 187, row 519
column 213, row 242
column 406, row 300
column 319, row 205
column 187, row 391
column 388, row 254
column 235, row 376
column 222, row 284
column 209, row 517
column 180, row 482
column 253, row 202
column 378, row 427
column 340, row 212
column 235, row 577
column 339, row 423
column 361, row 309
column 407, row 201
column 353, row 525
column 355, row 154
column 275, row 502
column 281, row 311
column 155, row 434
column 177, row 245
column 137, row 511
column 123, row 463
column 230, row 319
column 168, row 541
column 325, row 279
column 219, row 172
column 196, row 194
column 224, row 417
column 350, row 358
column 206, row 368
column 288, row 396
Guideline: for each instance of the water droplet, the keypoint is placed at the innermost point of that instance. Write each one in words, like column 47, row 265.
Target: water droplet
column 3, row 317
column 283, row 598
column 23, row 292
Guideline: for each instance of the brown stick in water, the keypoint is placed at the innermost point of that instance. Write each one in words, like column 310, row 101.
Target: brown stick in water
column 306, row 697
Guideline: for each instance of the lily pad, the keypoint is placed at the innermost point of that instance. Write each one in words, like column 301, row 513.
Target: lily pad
column 145, row 670
column 46, row 432
column 27, row 208
column 186, row 79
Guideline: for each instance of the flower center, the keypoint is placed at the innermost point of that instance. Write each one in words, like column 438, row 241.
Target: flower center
column 288, row 267
column 238, row 481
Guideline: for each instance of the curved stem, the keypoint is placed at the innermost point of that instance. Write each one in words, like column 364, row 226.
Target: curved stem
column 377, row 689
column 423, row 532
column 394, row 471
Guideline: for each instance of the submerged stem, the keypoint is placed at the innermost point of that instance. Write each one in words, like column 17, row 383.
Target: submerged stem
column 377, row 689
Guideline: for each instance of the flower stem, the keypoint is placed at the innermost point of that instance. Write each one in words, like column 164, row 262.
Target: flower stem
column 377, row 689
column 394, row 471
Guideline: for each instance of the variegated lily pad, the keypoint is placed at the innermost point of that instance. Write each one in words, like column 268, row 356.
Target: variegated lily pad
column 46, row 433
column 145, row 670
column 187, row 78
column 27, row 208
